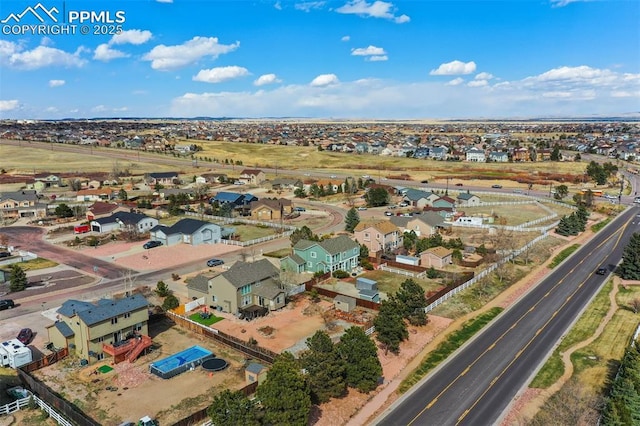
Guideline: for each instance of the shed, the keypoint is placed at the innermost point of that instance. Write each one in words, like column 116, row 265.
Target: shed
column 344, row 303
column 371, row 295
column 255, row 372
column 366, row 284
column 408, row 260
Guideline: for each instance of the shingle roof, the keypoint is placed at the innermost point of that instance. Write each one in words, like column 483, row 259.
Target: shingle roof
column 64, row 329
column 188, row 226
column 268, row 290
column 251, row 172
column 243, row 273
column 228, row 196
column 383, row 226
column 200, row 283
column 338, row 244
column 304, row 244
column 255, row 368
column 104, row 309
column 295, row 259
column 163, row 175
column 24, row 195
column 439, row 251
column 465, row 196
column 416, row 194
column 124, row 217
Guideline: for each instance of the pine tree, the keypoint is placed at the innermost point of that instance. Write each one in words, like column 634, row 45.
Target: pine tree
column 351, row 220
column 629, row 269
column 361, row 357
column 325, row 368
column 391, row 329
column 412, row 301
column 17, row 278
column 233, row 408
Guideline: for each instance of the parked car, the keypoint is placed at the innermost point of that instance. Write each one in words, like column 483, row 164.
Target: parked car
column 214, row 262
column 239, row 182
column 424, row 181
column 4, row 254
column 601, row 271
column 459, row 184
column 6, row 304
column 496, row 186
column 388, row 213
column 151, row 244
column 299, row 209
column 362, row 208
column 25, row 336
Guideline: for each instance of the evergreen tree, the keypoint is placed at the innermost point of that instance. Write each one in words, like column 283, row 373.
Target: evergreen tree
column 17, row 278
column 555, row 154
column 63, row 210
column 361, row 357
column 325, row 368
column 391, row 329
column 351, row 220
column 303, row 233
column 412, row 301
column 285, row 394
column 629, row 269
column 364, row 252
column 232, row 408
column 376, row 197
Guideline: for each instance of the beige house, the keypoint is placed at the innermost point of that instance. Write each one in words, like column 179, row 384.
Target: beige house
column 99, row 194
column 438, row 257
column 252, row 176
column 23, row 203
column 380, row 236
column 424, row 225
column 270, row 209
column 248, row 289
column 87, row 328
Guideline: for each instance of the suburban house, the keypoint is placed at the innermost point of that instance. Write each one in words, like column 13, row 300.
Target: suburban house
column 214, row 177
column 338, row 253
column 187, row 231
column 379, row 237
column 248, row 289
column 468, row 199
column 270, row 209
column 235, row 198
column 293, row 263
column 476, row 155
column 418, row 198
column 124, row 221
column 445, row 201
column 49, row 180
column 100, row 209
column 99, row 194
column 161, row 178
column 498, row 157
column 87, row 327
column 438, row 257
column 25, row 203
column 423, row 225
column 252, row 176
column 286, row 183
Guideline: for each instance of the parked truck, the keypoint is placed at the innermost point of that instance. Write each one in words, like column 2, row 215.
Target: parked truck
column 14, row 354
column 81, row 229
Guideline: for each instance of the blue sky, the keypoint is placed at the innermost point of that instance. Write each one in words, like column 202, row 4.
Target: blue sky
column 352, row 59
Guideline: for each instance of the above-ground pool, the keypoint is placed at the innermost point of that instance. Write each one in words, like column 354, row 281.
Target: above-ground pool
column 180, row 362
column 214, row 364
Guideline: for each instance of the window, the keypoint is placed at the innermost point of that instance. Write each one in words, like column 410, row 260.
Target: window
column 312, row 255
column 127, row 315
column 100, row 356
column 100, row 339
column 138, row 327
column 114, row 320
column 245, row 289
column 309, row 264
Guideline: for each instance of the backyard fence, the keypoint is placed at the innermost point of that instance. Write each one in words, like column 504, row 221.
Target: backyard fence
column 228, row 220
column 257, row 240
column 253, row 351
column 368, row 304
column 27, row 401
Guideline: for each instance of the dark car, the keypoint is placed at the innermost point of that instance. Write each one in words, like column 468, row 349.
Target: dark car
column 6, row 304
column 4, row 254
column 459, row 184
column 25, row 336
column 496, row 186
column 214, row 262
column 152, row 244
column 601, row 271
column 424, row 181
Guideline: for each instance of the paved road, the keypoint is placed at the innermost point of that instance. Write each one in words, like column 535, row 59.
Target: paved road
column 476, row 385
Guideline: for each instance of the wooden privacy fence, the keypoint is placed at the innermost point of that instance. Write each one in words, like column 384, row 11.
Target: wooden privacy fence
column 47, row 360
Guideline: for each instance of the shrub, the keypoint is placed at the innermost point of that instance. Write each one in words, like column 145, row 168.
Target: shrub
column 170, row 302
column 340, row 274
column 366, row 265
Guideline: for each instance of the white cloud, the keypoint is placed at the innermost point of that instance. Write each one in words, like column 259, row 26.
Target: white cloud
column 131, row 37
column 324, row 80
column 171, row 57
column 13, row 55
column 366, row 51
column 51, row 109
column 164, row 1
column 377, row 58
column 309, row 5
column 220, row 74
column 455, row 68
column 105, row 53
column 99, row 108
column 56, row 83
column 376, row 98
column 563, row 3
column 277, row 5
column 478, row 83
column 376, row 9
column 484, row 76
column 9, row 105
column 266, row 79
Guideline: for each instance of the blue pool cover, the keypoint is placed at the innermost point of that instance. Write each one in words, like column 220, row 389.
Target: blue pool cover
column 180, row 362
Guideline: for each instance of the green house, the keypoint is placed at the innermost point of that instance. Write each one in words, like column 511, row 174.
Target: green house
column 339, row 253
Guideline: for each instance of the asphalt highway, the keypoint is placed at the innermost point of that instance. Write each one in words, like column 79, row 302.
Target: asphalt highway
column 477, row 384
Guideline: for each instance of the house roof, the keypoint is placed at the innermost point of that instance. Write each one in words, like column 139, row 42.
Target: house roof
column 416, row 194
column 100, row 207
column 250, row 172
column 383, row 226
column 270, row 203
column 104, row 309
column 243, row 273
column 304, row 244
column 255, row 368
column 187, row 226
column 447, row 199
column 24, row 195
column 200, row 283
column 64, row 329
column 439, row 251
column 127, row 218
column 295, row 259
column 268, row 290
column 231, row 197
column 338, row 244
column 466, row 196
column 163, row 175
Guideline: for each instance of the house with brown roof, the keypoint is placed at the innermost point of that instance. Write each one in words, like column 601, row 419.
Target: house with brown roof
column 252, row 176
column 424, row 224
column 100, row 194
column 270, row 209
column 438, row 257
column 100, row 209
column 379, row 237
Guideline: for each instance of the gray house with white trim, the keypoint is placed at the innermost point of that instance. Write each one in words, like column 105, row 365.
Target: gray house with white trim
column 188, row 231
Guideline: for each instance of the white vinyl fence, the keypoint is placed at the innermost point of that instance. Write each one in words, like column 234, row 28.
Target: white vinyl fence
column 24, row 402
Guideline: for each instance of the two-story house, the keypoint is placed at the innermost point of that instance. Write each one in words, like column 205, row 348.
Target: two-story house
column 162, row 178
column 498, row 156
column 23, row 203
column 379, row 237
column 476, row 155
column 423, row 225
column 249, row 289
column 338, row 253
column 86, row 327
column 270, row 209
column 252, row 176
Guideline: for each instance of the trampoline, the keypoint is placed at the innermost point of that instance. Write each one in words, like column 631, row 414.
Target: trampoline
column 180, row 362
column 214, row 364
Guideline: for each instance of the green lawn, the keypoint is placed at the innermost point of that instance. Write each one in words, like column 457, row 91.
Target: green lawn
column 38, row 263
column 513, row 215
column 389, row 282
column 205, row 321
column 279, row 254
column 251, row 232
